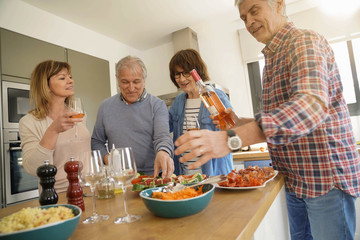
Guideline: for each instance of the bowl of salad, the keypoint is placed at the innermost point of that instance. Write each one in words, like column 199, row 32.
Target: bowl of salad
column 143, row 182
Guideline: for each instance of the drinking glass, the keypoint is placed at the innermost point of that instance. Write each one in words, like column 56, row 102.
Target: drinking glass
column 76, row 105
column 123, row 170
column 92, row 172
column 192, row 123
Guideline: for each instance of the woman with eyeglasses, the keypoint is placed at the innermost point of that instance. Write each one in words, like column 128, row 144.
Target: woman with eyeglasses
column 188, row 110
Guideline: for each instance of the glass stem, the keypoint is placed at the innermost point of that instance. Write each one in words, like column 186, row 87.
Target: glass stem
column 76, row 134
column 93, row 200
column 124, row 196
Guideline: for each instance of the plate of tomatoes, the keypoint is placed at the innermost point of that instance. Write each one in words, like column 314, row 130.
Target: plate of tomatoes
column 143, row 182
column 248, row 178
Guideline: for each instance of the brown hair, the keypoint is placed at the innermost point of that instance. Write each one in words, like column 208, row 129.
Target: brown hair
column 188, row 60
column 40, row 95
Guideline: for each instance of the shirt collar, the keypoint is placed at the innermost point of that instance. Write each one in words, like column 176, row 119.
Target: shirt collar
column 279, row 37
column 141, row 98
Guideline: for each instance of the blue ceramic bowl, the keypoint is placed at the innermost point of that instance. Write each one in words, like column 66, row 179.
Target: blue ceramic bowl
column 55, row 231
column 177, row 208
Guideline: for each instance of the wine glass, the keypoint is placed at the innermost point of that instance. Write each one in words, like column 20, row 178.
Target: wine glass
column 191, row 123
column 123, row 170
column 76, row 105
column 91, row 173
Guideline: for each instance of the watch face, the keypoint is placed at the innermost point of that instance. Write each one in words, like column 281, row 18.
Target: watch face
column 234, row 143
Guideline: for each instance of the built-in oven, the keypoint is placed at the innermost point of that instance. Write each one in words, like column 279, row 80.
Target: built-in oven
column 18, row 185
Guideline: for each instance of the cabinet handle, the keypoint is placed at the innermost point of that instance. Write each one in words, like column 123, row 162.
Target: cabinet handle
column 15, row 148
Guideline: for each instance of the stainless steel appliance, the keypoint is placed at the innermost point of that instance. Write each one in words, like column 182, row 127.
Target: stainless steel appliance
column 18, row 185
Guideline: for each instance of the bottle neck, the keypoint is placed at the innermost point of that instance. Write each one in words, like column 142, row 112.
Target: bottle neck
column 198, row 80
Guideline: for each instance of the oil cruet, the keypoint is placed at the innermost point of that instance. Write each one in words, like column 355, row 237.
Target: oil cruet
column 106, row 186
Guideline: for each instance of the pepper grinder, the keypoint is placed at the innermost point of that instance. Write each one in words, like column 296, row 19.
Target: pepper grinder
column 74, row 192
column 47, row 173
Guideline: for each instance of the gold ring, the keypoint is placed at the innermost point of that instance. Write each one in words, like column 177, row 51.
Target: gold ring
column 201, row 151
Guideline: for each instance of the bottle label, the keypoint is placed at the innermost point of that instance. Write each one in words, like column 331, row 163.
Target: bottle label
column 213, row 111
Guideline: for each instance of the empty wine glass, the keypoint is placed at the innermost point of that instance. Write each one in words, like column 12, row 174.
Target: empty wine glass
column 123, row 170
column 76, row 105
column 91, row 173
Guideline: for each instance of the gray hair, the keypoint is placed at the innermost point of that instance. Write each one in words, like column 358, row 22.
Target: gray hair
column 131, row 62
column 272, row 4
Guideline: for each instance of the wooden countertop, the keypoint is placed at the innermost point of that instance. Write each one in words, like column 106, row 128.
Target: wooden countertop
column 232, row 214
column 251, row 156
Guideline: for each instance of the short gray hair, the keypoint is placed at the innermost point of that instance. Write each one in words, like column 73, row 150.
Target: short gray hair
column 272, row 4
column 131, row 62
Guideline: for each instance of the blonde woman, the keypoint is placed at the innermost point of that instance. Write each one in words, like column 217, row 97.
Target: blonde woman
column 47, row 129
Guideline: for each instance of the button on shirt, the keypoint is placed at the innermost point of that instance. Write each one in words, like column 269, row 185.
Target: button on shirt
column 305, row 118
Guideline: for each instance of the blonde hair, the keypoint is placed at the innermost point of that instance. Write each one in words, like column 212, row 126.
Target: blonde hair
column 40, row 95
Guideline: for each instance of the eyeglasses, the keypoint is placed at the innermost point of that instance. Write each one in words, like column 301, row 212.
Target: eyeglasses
column 185, row 74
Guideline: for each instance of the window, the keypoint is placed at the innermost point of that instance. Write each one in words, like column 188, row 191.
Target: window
column 347, row 55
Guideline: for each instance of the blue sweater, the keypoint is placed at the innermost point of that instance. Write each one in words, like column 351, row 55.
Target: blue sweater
column 141, row 125
column 214, row 166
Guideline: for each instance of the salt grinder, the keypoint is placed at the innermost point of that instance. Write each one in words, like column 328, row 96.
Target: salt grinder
column 74, row 192
column 47, row 173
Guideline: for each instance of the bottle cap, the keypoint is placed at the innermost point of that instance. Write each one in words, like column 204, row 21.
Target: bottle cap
column 195, row 75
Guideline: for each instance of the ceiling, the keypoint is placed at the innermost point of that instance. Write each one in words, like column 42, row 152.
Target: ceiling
column 141, row 24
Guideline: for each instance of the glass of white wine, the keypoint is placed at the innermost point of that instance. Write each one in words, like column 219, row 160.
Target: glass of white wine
column 90, row 174
column 123, row 170
column 76, row 105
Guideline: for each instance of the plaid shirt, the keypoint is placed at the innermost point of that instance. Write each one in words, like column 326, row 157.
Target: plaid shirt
column 305, row 118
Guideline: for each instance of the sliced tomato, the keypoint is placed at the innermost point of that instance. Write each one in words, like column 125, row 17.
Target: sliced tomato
column 166, row 180
column 224, row 184
column 136, row 180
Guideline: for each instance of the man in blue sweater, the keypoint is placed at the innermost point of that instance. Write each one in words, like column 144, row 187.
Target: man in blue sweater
column 134, row 118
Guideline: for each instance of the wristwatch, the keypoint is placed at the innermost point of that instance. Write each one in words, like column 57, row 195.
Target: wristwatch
column 234, row 142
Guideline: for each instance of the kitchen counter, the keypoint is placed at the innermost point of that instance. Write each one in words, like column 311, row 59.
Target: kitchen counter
column 232, row 214
column 251, row 156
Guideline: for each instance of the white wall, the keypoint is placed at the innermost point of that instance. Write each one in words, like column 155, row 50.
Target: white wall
column 157, row 63
column 220, row 49
column 25, row 19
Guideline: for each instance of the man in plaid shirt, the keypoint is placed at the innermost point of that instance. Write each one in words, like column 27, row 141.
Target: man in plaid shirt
column 305, row 122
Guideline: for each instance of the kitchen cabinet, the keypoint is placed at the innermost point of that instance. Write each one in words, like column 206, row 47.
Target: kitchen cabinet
column 20, row 54
column 91, row 77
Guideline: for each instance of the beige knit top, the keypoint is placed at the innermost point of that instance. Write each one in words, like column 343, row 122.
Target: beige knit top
column 31, row 132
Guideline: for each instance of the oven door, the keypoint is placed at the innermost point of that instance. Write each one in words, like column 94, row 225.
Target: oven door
column 19, row 184
column 16, row 103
